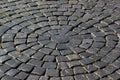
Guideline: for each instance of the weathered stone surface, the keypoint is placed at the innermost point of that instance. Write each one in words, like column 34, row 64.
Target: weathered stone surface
column 59, row 39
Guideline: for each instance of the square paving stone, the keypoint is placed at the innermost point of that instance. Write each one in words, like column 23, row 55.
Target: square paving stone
column 25, row 67
column 7, row 44
column 92, row 76
column 12, row 72
column 114, row 76
column 21, row 75
column 116, row 64
column 38, row 71
column 21, row 47
column 9, row 49
column 67, row 72
column 43, row 78
column 49, row 58
column 35, row 62
column 46, row 50
column 19, row 41
column 79, row 70
column 90, row 68
column 65, row 52
column 100, row 64
column 62, row 65
column 2, row 52
column 49, row 65
column 8, row 78
column 73, row 57
column 101, row 73
column 55, row 78
column 110, row 69
column 51, row 45
column 61, row 59
column 68, row 78
column 4, row 68
column 29, row 52
column 23, row 58
column 52, row 72
column 33, row 77
column 55, row 52
column 13, row 63
column 38, row 55
column 73, row 64
column 14, row 54
column 4, row 58
column 80, row 77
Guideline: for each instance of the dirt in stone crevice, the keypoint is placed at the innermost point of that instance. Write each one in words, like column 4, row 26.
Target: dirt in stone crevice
column 0, row 24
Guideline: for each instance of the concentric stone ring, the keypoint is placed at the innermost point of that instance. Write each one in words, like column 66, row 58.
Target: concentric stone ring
column 60, row 40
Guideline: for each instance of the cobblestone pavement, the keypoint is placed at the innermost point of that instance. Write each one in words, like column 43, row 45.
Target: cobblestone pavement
column 60, row 40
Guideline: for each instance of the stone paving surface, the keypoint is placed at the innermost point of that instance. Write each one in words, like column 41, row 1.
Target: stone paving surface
column 60, row 40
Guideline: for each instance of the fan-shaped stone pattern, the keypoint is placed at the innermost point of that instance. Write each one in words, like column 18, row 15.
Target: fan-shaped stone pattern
column 59, row 40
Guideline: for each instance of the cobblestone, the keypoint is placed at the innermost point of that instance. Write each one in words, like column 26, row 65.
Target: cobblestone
column 59, row 40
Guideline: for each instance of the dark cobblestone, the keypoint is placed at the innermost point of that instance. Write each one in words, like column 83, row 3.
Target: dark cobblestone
column 59, row 40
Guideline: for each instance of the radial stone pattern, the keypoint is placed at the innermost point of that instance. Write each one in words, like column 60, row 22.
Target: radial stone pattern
column 59, row 39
